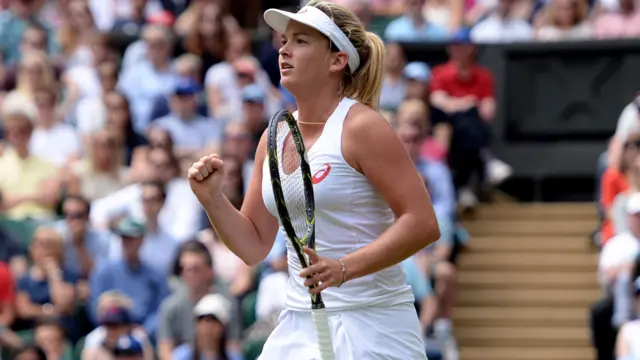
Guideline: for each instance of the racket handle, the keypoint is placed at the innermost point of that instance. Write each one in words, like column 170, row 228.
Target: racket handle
column 321, row 323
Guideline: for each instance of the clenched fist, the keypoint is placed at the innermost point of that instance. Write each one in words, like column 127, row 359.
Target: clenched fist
column 206, row 177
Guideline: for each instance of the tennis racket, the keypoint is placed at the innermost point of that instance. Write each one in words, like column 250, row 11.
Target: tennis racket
column 293, row 192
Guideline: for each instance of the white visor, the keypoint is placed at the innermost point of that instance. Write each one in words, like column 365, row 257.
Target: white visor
column 318, row 20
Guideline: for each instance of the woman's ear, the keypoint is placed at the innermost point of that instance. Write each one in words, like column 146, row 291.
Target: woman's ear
column 339, row 62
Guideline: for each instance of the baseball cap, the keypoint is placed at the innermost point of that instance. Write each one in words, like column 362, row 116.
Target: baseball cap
column 253, row 93
column 417, row 70
column 186, row 86
column 214, row 305
column 127, row 345
column 316, row 19
column 461, row 37
column 130, row 228
column 115, row 315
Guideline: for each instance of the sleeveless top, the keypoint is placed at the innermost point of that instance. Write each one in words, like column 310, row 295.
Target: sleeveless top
column 350, row 214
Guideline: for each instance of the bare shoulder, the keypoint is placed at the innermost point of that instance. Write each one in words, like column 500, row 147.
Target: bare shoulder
column 364, row 131
column 361, row 118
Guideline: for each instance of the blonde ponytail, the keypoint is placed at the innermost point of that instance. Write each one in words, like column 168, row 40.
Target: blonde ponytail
column 364, row 84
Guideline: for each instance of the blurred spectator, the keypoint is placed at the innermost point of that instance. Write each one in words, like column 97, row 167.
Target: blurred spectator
column 48, row 289
column 271, row 298
column 90, row 111
column 213, row 313
column 414, row 112
column 155, row 237
column 224, row 81
column 100, row 172
column 187, row 19
column 618, row 208
column 626, row 124
column 413, row 26
column 120, row 121
column 268, row 56
column 435, row 259
column 76, row 33
column 129, row 348
column 425, row 298
column 52, row 139
column 196, row 270
column 30, row 352
column 394, row 85
column 107, row 13
column 617, row 261
column 501, row 26
column 136, row 20
column 418, row 76
column 193, row 134
column 25, row 179
column 623, row 23
column 207, row 37
column 114, row 321
column 12, row 26
column 253, row 105
column 34, row 71
column 49, row 335
column 186, row 66
column 85, row 248
column 239, row 148
column 229, row 268
column 7, row 313
column 181, row 213
column 141, row 169
column 133, row 277
column 463, row 95
column 565, row 20
column 614, row 181
column 445, row 13
column 628, row 342
column 145, row 80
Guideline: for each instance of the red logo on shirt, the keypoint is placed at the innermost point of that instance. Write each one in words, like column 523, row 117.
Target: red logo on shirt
column 321, row 174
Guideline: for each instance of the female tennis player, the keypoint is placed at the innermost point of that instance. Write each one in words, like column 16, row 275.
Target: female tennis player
column 372, row 209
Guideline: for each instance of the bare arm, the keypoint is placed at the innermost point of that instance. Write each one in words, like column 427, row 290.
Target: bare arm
column 165, row 349
column 250, row 232
column 26, row 309
column 372, row 145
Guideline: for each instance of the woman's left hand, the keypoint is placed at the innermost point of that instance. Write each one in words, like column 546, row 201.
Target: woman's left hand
column 324, row 272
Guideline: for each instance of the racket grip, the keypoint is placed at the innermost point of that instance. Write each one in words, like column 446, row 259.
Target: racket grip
column 321, row 323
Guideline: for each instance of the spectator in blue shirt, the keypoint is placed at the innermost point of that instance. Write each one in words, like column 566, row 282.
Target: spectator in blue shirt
column 144, row 81
column 190, row 131
column 133, row 277
column 413, row 26
column 47, row 290
column 84, row 246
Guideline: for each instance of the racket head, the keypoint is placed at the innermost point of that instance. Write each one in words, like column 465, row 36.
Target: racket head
column 291, row 181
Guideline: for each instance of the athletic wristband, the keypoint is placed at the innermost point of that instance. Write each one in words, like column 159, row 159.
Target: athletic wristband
column 344, row 273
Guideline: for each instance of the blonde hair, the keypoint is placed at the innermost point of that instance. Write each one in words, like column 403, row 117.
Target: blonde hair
column 188, row 63
column 364, row 84
column 50, row 234
column 413, row 112
column 38, row 58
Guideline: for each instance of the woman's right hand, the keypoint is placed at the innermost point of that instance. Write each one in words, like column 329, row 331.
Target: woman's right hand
column 206, row 177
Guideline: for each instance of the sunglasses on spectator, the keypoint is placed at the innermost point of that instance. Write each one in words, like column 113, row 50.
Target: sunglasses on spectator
column 633, row 144
column 151, row 199
column 78, row 215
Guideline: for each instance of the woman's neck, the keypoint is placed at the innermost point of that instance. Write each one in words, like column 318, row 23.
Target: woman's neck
column 317, row 106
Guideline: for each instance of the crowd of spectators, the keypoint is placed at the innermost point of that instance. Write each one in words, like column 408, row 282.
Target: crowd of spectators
column 614, row 318
column 104, row 250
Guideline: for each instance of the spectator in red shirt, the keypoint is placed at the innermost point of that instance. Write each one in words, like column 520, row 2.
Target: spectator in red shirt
column 463, row 101
column 7, row 337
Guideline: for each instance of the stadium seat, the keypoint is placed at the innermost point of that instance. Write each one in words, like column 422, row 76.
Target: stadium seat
column 249, row 309
column 22, row 230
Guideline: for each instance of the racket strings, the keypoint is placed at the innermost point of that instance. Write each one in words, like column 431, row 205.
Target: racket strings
column 291, row 181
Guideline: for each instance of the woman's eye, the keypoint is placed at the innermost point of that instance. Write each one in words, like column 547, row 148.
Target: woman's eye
column 299, row 41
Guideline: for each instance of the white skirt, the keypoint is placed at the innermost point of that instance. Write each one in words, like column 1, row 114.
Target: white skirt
column 371, row 333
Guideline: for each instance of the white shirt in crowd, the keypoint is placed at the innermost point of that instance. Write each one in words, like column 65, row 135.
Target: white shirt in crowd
column 495, row 29
column 181, row 215
column 56, row 144
column 619, row 250
column 629, row 120
column 271, row 295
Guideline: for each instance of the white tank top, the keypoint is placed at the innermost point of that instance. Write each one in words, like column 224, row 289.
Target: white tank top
column 350, row 214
